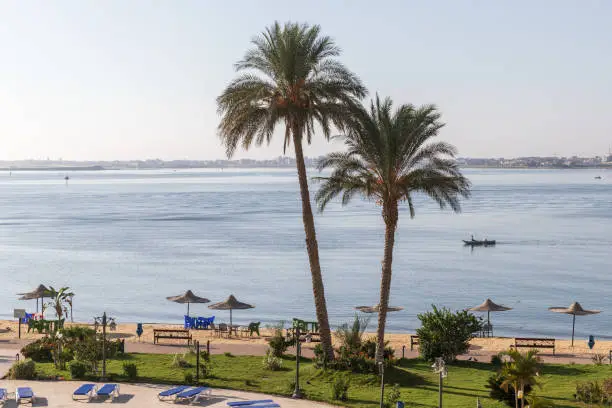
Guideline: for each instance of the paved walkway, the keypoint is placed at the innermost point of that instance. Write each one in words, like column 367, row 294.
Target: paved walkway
column 59, row 394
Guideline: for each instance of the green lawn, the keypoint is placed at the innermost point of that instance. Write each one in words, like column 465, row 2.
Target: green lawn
column 419, row 385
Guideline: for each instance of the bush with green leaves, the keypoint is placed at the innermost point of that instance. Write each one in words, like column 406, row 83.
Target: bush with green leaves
column 179, row 361
column 79, row 369
column 206, row 365
column 340, row 387
column 188, row 378
column 40, row 351
column 278, row 343
column 393, row 396
column 446, row 334
column 592, row 392
column 130, row 370
column 271, row 362
column 369, row 348
column 350, row 336
column 77, row 333
column 23, row 370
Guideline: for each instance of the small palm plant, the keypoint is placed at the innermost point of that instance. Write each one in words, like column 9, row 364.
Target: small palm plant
column 390, row 157
column 522, row 370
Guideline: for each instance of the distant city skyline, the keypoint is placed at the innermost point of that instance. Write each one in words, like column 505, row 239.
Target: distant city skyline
column 136, row 80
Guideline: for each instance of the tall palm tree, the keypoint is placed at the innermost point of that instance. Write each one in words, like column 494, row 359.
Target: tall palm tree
column 389, row 158
column 290, row 78
column 520, row 371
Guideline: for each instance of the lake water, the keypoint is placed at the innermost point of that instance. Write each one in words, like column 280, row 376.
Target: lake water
column 124, row 240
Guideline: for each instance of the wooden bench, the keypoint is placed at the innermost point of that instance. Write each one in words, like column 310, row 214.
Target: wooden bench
column 414, row 341
column 534, row 343
column 176, row 334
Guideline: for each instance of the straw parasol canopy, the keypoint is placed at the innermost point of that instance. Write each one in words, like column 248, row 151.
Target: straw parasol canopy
column 489, row 306
column 376, row 309
column 40, row 292
column 187, row 297
column 230, row 304
column 575, row 309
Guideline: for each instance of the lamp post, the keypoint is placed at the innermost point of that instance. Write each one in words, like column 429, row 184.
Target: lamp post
column 381, row 370
column 103, row 321
column 297, row 393
column 440, row 367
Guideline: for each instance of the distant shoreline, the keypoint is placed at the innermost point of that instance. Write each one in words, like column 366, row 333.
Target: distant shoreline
column 101, row 168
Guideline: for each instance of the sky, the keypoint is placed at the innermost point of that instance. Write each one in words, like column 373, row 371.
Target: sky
column 116, row 79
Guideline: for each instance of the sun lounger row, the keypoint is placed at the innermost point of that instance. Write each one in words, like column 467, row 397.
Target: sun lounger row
column 182, row 393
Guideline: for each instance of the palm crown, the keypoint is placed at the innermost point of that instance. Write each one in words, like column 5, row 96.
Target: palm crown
column 292, row 78
column 390, row 157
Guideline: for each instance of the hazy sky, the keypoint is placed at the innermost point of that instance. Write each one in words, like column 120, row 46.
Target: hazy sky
column 124, row 79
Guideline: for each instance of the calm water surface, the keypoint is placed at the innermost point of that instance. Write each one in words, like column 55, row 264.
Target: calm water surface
column 124, row 240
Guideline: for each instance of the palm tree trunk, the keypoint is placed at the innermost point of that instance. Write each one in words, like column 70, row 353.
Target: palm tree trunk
column 313, row 249
column 390, row 215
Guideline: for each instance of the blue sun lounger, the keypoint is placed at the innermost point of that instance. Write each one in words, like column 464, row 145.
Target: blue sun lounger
column 108, row 390
column 85, row 390
column 24, row 393
column 3, row 395
column 193, row 394
column 254, row 404
column 171, row 392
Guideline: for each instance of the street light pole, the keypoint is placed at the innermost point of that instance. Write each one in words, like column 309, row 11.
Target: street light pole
column 381, row 367
column 297, row 393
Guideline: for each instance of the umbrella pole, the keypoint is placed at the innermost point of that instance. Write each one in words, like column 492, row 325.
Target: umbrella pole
column 573, row 328
column 187, row 308
column 230, row 331
column 489, row 317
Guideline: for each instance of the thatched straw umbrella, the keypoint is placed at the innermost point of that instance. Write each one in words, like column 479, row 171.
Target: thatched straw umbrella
column 187, row 297
column 489, row 306
column 39, row 293
column 575, row 309
column 376, row 309
column 230, row 304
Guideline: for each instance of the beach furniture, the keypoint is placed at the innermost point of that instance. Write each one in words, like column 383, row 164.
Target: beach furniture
column 246, row 404
column 222, row 329
column 108, row 390
column 3, row 395
column 254, row 404
column 534, row 343
column 172, row 392
column 24, row 393
column 194, row 394
column 176, row 334
column 85, row 391
column 414, row 341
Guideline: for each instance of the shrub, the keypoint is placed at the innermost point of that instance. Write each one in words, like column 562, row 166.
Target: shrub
column 339, row 388
column 23, row 370
column 130, row 370
column 78, row 369
column 369, row 348
column 498, row 393
column 393, row 396
column 78, row 333
column 40, row 351
column 206, row 365
column 497, row 361
column 446, row 334
column 277, row 343
column 320, row 358
column 350, row 336
column 228, row 354
column 271, row 362
column 188, row 377
column 591, row 392
column 599, row 359
column 180, row 362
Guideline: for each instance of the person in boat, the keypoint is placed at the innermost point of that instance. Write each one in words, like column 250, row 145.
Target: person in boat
column 472, row 237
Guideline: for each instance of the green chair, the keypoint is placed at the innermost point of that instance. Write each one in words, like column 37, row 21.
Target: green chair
column 254, row 328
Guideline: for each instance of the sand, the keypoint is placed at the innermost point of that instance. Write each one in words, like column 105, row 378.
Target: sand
column 481, row 349
column 59, row 394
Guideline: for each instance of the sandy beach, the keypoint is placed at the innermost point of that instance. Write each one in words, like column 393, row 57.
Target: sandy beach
column 481, row 349
column 59, row 394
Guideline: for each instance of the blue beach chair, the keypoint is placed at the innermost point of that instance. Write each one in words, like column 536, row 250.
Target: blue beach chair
column 172, row 392
column 267, row 403
column 85, row 390
column 3, row 395
column 193, row 394
column 24, row 393
column 108, row 390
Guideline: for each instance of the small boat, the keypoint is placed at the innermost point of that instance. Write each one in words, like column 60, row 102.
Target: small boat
column 476, row 242
column 597, row 177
